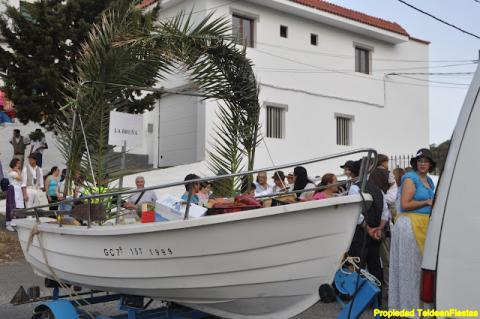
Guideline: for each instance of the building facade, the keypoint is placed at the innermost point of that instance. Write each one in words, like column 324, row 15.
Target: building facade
column 328, row 80
column 328, row 83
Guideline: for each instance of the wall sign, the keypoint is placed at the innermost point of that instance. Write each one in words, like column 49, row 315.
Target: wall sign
column 125, row 127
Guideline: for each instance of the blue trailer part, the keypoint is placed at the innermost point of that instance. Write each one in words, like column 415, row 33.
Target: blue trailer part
column 131, row 306
column 361, row 291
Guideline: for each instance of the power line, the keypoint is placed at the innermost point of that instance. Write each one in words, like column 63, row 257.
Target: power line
column 440, row 20
column 434, row 73
column 430, row 81
column 354, row 74
column 267, row 69
column 348, row 56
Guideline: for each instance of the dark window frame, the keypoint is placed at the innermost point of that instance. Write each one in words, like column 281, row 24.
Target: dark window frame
column 363, row 62
column 283, row 31
column 248, row 42
column 275, row 121
column 344, row 130
column 314, row 39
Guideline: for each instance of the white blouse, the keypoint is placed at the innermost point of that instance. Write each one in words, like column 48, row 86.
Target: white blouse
column 12, row 178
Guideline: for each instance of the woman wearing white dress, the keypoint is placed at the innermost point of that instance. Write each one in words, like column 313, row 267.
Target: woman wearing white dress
column 15, row 179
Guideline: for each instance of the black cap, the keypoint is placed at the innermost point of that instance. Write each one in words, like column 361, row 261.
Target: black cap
column 348, row 164
column 355, row 167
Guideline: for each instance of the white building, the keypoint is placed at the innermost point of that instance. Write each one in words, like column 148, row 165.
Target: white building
column 325, row 86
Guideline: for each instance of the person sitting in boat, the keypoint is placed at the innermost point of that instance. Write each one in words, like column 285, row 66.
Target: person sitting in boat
column 32, row 182
column 204, row 193
column 347, row 168
column 329, row 181
column 302, row 182
column 141, row 197
column 290, row 180
column 193, row 187
column 347, row 173
column 279, row 180
column 262, row 186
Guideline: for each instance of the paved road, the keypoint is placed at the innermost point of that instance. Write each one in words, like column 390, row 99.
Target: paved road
column 13, row 275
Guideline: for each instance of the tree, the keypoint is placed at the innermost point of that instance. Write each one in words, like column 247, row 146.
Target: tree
column 44, row 40
column 128, row 50
column 439, row 153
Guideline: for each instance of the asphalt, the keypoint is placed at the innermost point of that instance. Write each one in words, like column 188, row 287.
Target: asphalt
column 13, row 275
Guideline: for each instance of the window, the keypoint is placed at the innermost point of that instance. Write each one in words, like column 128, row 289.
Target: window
column 344, row 129
column 242, row 30
column 284, row 31
column 362, row 60
column 275, row 121
column 313, row 39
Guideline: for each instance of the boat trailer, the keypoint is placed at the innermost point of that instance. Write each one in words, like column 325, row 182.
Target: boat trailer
column 70, row 306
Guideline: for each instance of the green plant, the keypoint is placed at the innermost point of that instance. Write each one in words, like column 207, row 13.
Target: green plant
column 125, row 50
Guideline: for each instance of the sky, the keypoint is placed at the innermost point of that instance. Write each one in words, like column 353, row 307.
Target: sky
column 447, row 43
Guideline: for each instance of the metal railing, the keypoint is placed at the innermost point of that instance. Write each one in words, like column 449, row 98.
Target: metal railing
column 367, row 165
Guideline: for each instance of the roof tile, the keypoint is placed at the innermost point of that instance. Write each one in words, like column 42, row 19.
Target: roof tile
column 353, row 15
column 336, row 10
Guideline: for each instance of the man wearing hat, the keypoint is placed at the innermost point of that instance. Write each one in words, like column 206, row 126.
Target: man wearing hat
column 279, row 180
column 347, row 168
column 32, row 182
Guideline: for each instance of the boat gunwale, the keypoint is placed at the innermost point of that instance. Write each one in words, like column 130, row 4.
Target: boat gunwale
column 131, row 229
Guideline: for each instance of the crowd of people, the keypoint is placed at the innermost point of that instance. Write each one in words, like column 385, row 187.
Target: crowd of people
column 390, row 235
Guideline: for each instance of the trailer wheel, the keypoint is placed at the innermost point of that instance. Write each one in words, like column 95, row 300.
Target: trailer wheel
column 47, row 314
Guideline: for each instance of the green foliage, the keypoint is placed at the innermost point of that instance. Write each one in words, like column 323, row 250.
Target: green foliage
column 46, row 39
column 125, row 49
column 36, row 135
column 89, row 99
column 439, row 153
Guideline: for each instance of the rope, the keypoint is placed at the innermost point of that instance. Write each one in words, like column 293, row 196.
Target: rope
column 354, row 261
column 71, row 293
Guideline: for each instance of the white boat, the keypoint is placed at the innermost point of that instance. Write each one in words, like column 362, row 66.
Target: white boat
column 262, row 263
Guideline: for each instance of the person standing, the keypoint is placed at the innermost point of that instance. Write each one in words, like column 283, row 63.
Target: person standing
column 409, row 233
column 32, row 182
column 381, row 177
column 52, row 188
column 367, row 237
column 19, row 144
column 14, row 192
column 38, row 145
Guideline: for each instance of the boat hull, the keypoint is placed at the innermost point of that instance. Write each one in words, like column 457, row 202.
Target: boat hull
column 265, row 263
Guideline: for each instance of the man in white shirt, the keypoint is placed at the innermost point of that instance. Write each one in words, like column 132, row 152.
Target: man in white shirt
column 141, row 197
column 32, row 182
column 38, row 146
column 262, row 186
